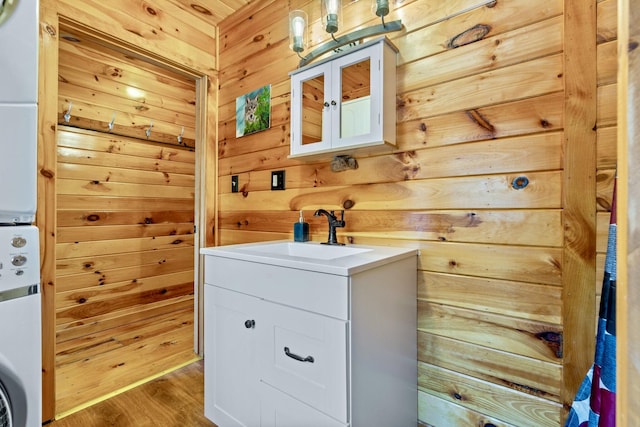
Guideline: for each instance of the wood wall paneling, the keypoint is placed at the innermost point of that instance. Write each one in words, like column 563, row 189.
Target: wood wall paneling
column 147, row 37
column 473, row 116
column 124, row 272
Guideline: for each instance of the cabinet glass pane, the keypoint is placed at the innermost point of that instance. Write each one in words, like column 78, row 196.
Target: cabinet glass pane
column 355, row 117
column 312, row 109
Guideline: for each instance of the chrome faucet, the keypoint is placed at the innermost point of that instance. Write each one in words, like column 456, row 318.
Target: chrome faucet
column 334, row 223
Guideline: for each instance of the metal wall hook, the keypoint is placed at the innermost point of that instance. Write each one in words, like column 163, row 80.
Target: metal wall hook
column 181, row 135
column 148, row 131
column 67, row 115
column 113, row 120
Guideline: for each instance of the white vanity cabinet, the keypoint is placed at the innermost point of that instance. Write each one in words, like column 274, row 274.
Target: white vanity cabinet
column 346, row 102
column 290, row 343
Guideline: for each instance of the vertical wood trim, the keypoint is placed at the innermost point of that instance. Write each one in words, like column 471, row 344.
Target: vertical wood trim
column 628, row 243
column 579, row 194
column 46, row 208
column 202, row 200
column 212, row 167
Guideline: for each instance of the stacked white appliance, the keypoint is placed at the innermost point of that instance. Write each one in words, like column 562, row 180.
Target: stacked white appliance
column 20, row 298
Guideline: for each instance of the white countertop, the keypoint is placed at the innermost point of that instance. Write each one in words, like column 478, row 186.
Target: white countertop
column 313, row 256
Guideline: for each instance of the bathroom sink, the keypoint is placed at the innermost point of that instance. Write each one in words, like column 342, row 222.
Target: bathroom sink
column 312, row 256
column 307, row 250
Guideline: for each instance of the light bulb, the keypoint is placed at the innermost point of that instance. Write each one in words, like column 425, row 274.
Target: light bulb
column 297, row 24
column 332, row 7
column 297, row 30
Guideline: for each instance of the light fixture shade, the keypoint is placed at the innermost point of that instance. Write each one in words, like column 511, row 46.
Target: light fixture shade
column 331, row 11
column 381, row 7
column 298, row 32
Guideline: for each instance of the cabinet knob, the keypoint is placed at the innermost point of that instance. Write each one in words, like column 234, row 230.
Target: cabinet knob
column 326, row 104
column 333, row 102
column 249, row 324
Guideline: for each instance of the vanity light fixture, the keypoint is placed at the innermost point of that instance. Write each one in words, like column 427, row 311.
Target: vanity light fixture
column 331, row 10
column 298, row 33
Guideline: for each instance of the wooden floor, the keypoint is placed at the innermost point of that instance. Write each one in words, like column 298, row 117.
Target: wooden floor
column 173, row 400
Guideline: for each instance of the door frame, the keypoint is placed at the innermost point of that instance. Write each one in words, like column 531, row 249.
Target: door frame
column 206, row 160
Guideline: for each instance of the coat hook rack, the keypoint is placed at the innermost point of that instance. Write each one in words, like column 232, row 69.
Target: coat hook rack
column 148, row 131
column 180, row 136
column 67, row 115
column 113, row 119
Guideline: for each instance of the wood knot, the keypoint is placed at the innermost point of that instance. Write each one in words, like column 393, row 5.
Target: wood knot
column 50, row 30
column 553, row 340
column 473, row 34
column 201, row 9
column 348, row 204
column 93, row 217
column 151, row 11
column 480, row 120
column 633, row 45
column 258, row 38
column 47, row 173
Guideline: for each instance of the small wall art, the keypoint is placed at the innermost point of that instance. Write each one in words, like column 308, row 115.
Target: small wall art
column 253, row 111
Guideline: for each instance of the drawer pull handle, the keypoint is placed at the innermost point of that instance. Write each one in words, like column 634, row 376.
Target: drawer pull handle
column 298, row 358
column 249, row 324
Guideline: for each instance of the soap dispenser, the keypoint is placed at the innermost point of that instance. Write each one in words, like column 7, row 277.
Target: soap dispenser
column 301, row 230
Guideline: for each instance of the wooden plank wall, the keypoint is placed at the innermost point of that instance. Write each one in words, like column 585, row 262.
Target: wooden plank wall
column 472, row 118
column 108, row 91
column 124, row 263
column 176, row 33
column 125, row 221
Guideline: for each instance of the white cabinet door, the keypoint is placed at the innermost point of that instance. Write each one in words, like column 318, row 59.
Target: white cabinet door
column 305, row 355
column 311, row 110
column 280, row 410
column 231, row 319
column 356, row 81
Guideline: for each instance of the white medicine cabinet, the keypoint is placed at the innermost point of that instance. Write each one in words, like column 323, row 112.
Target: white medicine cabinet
column 346, row 102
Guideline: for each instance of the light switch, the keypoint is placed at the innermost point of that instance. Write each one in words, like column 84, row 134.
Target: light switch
column 234, row 184
column 277, row 180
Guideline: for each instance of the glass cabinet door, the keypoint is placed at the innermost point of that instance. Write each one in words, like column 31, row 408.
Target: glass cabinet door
column 310, row 110
column 313, row 110
column 358, row 120
column 355, row 96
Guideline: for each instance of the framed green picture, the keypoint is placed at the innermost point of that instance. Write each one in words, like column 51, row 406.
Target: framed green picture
column 253, row 111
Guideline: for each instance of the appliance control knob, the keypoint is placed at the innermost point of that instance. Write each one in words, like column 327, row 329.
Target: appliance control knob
column 18, row 242
column 19, row 260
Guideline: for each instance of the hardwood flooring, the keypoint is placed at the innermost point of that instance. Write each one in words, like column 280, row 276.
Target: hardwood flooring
column 173, row 400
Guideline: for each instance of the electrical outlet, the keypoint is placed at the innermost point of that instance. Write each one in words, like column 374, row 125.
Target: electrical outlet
column 234, row 184
column 277, row 180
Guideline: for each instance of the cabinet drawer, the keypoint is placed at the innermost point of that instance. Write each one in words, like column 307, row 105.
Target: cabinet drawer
column 305, row 356
column 318, row 292
column 280, row 410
